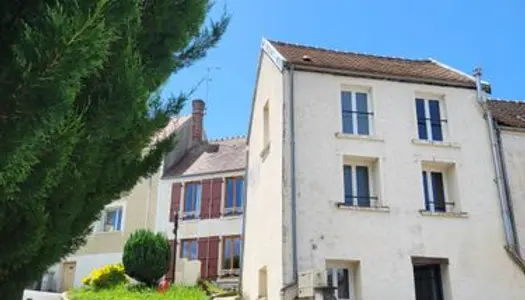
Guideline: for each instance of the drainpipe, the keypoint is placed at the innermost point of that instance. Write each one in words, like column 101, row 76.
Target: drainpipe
column 245, row 205
column 500, row 180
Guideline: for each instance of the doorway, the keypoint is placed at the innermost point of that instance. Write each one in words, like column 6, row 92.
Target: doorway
column 68, row 275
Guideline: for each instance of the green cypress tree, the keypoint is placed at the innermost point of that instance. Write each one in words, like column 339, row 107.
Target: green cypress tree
column 79, row 105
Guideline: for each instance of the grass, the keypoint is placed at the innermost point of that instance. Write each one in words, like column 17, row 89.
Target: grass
column 122, row 292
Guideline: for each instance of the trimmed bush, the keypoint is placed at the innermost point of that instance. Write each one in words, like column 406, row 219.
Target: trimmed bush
column 146, row 256
column 106, row 277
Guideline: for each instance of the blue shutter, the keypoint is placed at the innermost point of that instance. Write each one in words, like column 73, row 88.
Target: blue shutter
column 362, row 114
column 438, row 191
column 188, row 205
column 347, row 117
column 435, row 120
column 363, row 188
column 421, row 120
column 239, row 191
column 229, row 193
column 425, row 190
column 118, row 225
column 348, row 184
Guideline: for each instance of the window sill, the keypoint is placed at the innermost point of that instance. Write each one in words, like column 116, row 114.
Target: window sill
column 384, row 209
column 350, row 136
column 450, row 214
column 441, row 144
column 265, row 151
column 106, row 233
column 231, row 217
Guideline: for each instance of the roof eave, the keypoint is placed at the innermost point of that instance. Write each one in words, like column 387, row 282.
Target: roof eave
column 335, row 71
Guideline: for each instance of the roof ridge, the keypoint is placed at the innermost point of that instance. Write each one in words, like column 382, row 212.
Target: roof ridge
column 350, row 52
column 507, row 100
column 228, row 138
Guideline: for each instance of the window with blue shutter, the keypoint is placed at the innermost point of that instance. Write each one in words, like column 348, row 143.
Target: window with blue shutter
column 434, row 191
column 355, row 114
column 357, row 186
column 429, row 120
column 234, row 196
column 192, row 200
column 112, row 219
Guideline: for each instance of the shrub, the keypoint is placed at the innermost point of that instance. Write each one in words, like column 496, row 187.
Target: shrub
column 106, row 277
column 146, row 256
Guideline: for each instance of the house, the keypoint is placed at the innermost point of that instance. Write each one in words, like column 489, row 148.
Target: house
column 202, row 191
column 510, row 139
column 135, row 210
column 370, row 177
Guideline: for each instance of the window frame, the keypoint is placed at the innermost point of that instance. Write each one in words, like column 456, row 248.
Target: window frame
column 443, row 121
column 234, row 210
column 373, row 199
column 196, row 203
column 436, row 279
column 430, row 205
column 189, row 242
column 354, row 113
column 352, row 271
column 225, row 239
column 109, row 208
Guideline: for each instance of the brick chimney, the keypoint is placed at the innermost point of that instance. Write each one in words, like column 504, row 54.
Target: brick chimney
column 197, row 116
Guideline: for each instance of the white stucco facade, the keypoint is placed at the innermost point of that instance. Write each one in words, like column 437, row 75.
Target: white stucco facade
column 378, row 243
column 513, row 146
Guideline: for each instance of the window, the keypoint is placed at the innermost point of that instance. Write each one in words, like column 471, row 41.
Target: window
column 266, row 125
column 234, row 196
column 357, row 186
column 192, row 200
column 340, row 280
column 434, row 191
column 231, row 253
column 355, row 114
column 189, row 249
column 427, row 282
column 429, row 120
column 112, row 219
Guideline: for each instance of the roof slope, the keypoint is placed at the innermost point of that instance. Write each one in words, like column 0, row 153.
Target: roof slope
column 508, row 113
column 421, row 70
column 212, row 157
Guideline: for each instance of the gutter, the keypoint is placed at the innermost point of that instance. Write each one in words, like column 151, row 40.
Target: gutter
column 293, row 179
column 511, row 241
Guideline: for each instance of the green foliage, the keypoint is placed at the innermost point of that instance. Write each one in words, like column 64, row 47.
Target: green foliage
column 106, row 277
column 146, row 256
column 123, row 293
column 80, row 104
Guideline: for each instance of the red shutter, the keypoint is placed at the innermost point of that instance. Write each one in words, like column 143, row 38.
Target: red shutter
column 205, row 199
column 175, row 200
column 216, row 195
column 203, row 255
column 213, row 259
column 169, row 274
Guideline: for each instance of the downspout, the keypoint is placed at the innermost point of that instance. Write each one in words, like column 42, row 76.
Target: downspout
column 245, row 205
column 500, row 180
column 293, row 188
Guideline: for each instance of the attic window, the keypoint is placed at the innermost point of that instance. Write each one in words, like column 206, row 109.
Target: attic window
column 307, row 58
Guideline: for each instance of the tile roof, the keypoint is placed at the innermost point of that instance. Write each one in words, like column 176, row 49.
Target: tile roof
column 394, row 68
column 508, row 113
column 214, row 156
column 174, row 124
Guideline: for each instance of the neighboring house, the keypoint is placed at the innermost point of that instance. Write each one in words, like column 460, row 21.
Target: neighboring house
column 370, row 177
column 204, row 189
column 510, row 130
column 135, row 210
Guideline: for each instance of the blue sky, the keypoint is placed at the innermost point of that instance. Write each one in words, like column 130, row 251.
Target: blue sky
column 460, row 33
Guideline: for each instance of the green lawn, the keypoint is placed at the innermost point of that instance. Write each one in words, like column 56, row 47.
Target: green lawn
column 121, row 292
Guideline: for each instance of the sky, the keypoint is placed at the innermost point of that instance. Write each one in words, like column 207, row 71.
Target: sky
column 460, row 33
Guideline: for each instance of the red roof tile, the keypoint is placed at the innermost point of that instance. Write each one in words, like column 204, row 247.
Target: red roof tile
column 508, row 113
column 411, row 70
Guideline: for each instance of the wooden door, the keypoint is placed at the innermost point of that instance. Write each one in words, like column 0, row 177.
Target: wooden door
column 68, row 275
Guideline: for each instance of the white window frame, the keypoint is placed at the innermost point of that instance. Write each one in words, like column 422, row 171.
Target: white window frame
column 194, row 214
column 442, row 113
column 445, row 175
column 353, row 103
column 101, row 223
column 371, row 165
column 351, row 279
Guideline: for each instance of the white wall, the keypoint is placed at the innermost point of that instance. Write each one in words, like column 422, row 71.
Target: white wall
column 513, row 145
column 263, row 232
column 383, row 242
